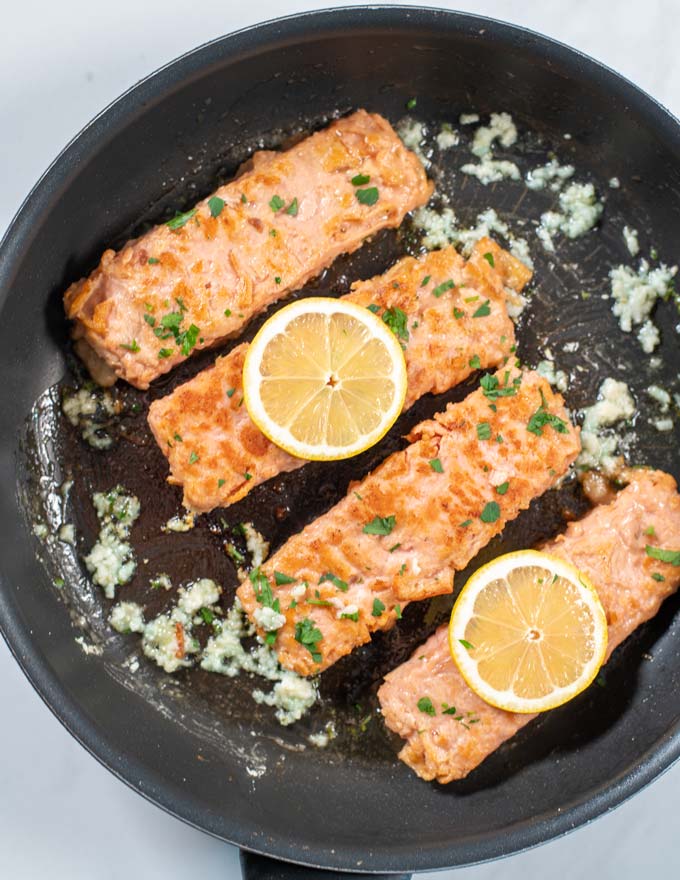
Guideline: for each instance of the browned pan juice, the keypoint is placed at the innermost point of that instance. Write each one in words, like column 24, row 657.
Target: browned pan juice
column 556, row 314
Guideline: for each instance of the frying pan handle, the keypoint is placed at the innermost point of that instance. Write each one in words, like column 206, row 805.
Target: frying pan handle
column 256, row 867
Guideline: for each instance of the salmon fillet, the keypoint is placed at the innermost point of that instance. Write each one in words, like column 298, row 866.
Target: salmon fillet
column 206, row 432
column 192, row 282
column 608, row 545
column 403, row 531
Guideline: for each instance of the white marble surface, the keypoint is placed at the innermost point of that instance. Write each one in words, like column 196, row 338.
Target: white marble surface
column 61, row 814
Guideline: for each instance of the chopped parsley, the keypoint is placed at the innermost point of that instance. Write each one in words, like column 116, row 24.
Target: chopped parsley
column 425, row 705
column 221, row 482
column 436, row 465
column 280, row 578
column 443, row 287
column 180, row 220
column 336, row 581
column 130, row 346
column 650, row 531
column 503, row 488
column 484, row 431
column 493, row 389
column 378, row 607
column 309, row 636
column 458, row 313
column 244, row 198
column 475, row 362
column 263, row 590
column 353, row 615
column 292, row 209
column 672, row 557
column 396, row 320
column 394, row 547
column 373, row 308
column 216, row 205
column 411, row 103
column 425, row 280
column 368, row 196
column 277, row 279
column 482, row 311
column 542, row 417
column 657, row 576
column 207, row 615
column 491, row 512
column 247, row 476
column 152, row 261
column 380, row 525
column 276, row 203
column 397, row 611
column 360, row 179
column 490, row 260
column 231, row 392
column 193, row 458
column 150, row 320
column 466, row 644
column 465, row 524
column 165, row 353
column 227, row 313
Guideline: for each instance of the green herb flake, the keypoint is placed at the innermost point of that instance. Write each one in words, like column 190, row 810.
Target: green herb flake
column 483, row 431
column 436, row 465
column 336, row 581
column 180, row 220
column 165, row 353
column 657, row 576
column 672, row 557
column 354, row 615
column 244, row 199
column 247, row 476
column 448, row 710
column 483, row 310
column 280, row 578
column 649, row 531
column 491, row 512
column 153, row 261
column 443, row 287
column 475, row 363
column 360, row 179
column 411, row 103
column 425, row 280
column 373, row 308
column 231, row 392
column 193, row 458
column 466, row 644
column 276, row 203
column 465, row 524
column 368, row 196
column 207, row 615
column 542, row 417
column 380, row 525
column 397, row 611
column 227, row 313
column 307, row 634
column 492, row 389
column 458, row 313
column 490, row 260
column 396, row 320
column 187, row 340
column 503, row 488
column 221, row 483
column 130, row 346
column 394, row 547
column 378, row 607
column 150, row 320
column 425, row 705
column 216, row 205
column 471, row 299
column 277, row 279
column 292, row 209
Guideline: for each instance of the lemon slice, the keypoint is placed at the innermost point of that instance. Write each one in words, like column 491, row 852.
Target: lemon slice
column 528, row 632
column 324, row 378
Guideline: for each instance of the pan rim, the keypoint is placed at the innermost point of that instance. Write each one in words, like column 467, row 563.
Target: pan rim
column 254, row 39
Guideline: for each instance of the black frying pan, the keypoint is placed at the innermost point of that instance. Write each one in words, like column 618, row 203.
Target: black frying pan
column 197, row 746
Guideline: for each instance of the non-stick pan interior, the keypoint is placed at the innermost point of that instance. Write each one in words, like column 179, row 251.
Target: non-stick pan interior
column 197, row 743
